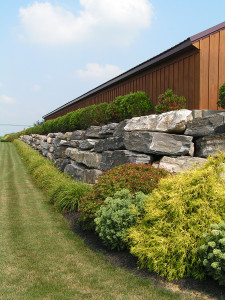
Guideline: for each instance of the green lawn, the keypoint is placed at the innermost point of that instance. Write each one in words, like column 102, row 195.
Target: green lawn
column 41, row 258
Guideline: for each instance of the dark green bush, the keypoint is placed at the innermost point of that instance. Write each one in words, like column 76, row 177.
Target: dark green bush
column 212, row 252
column 176, row 215
column 134, row 177
column 128, row 106
column 169, row 101
column 93, row 115
column 118, row 213
column 221, row 101
column 75, row 119
column 61, row 190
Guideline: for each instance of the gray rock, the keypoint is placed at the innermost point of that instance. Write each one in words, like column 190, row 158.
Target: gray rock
column 44, row 152
column 210, row 145
column 91, row 176
column 45, row 145
column 93, row 132
column 78, row 135
column 49, row 140
column 51, row 149
column 200, row 127
column 59, row 152
column 176, row 165
column 59, row 135
column 159, row 143
column 111, row 143
column 108, row 130
column 61, row 163
column 173, row 121
column 111, row 159
column 119, row 131
column 50, row 156
column 67, row 136
column 51, row 135
column 64, row 143
column 87, row 144
column 75, row 143
column 90, row 159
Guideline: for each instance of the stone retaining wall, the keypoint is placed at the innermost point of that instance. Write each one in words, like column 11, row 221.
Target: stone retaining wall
column 173, row 141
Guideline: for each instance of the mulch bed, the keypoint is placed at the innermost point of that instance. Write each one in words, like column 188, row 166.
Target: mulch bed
column 204, row 289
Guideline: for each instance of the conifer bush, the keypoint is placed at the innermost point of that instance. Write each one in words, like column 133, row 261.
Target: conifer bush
column 221, row 101
column 118, row 213
column 134, row 177
column 176, row 215
column 212, row 252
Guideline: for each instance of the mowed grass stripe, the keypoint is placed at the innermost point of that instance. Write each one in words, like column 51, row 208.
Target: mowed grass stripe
column 41, row 258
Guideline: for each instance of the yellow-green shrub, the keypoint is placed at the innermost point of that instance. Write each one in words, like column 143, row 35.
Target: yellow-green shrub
column 176, row 215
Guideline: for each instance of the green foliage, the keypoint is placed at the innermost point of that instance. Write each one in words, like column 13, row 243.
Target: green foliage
column 118, row 213
column 10, row 137
column 176, row 215
column 60, row 189
column 134, row 177
column 212, row 252
column 93, row 115
column 221, row 101
column 128, row 106
column 169, row 101
column 75, row 119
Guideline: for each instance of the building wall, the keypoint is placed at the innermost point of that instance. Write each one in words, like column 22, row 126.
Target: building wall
column 212, row 68
column 181, row 74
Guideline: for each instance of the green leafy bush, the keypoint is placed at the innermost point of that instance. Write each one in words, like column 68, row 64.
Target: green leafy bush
column 134, row 177
column 75, row 119
column 221, row 101
column 176, row 215
column 93, row 115
column 169, row 101
column 60, row 189
column 212, row 252
column 118, row 213
column 128, row 106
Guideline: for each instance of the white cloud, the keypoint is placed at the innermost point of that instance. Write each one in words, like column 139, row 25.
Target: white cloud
column 106, row 20
column 36, row 87
column 7, row 99
column 98, row 72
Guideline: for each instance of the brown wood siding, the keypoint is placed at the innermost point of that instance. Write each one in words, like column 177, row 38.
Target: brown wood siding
column 212, row 68
column 180, row 74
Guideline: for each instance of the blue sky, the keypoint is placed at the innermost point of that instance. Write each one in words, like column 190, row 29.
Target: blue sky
column 54, row 51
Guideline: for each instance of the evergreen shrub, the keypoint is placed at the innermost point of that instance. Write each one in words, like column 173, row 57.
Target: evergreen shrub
column 212, row 252
column 134, row 177
column 221, row 101
column 176, row 215
column 169, row 101
column 118, row 213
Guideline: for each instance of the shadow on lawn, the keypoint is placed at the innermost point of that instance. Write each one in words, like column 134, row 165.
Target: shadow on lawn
column 204, row 289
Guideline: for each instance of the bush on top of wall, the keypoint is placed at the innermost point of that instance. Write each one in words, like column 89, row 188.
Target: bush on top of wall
column 123, row 107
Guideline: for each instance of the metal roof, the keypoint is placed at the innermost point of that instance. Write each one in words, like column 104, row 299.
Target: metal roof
column 183, row 46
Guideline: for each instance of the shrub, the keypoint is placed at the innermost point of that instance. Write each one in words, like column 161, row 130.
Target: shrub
column 60, row 189
column 134, row 177
column 118, row 213
column 169, row 101
column 176, row 215
column 212, row 252
column 93, row 115
column 10, row 138
column 221, row 101
column 129, row 106
column 75, row 119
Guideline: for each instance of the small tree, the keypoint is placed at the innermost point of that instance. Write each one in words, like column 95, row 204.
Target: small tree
column 221, row 101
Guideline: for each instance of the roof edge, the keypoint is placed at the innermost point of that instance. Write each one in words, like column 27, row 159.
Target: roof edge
column 207, row 32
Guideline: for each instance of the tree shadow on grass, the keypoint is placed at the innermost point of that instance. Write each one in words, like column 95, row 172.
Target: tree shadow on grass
column 200, row 289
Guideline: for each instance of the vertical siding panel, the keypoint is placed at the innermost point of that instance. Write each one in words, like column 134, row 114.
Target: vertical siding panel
column 175, row 78
column 181, row 77
column 204, row 73
column 150, row 88
column 154, row 97
column 191, row 79
column 166, row 78
column 158, row 83
column 222, row 58
column 162, row 83
column 144, row 83
column 171, row 86
column 197, row 81
column 186, row 77
column 148, row 85
column 213, row 71
column 135, row 84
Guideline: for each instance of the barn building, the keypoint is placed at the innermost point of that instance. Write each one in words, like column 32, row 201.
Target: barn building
column 195, row 69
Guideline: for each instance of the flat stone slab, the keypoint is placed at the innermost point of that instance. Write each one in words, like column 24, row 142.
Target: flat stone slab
column 111, row 143
column 173, row 121
column 159, row 143
column 90, row 159
column 210, row 145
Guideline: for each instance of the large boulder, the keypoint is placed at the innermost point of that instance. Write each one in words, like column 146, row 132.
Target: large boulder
column 111, row 143
column 111, row 159
column 77, row 135
column 210, row 145
column 87, row 144
column 176, row 165
column 159, row 143
column 200, row 127
column 93, row 132
column 107, row 130
column 173, row 121
column 61, row 163
column 90, row 159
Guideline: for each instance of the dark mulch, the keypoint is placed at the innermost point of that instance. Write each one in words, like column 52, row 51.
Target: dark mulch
column 204, row 289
